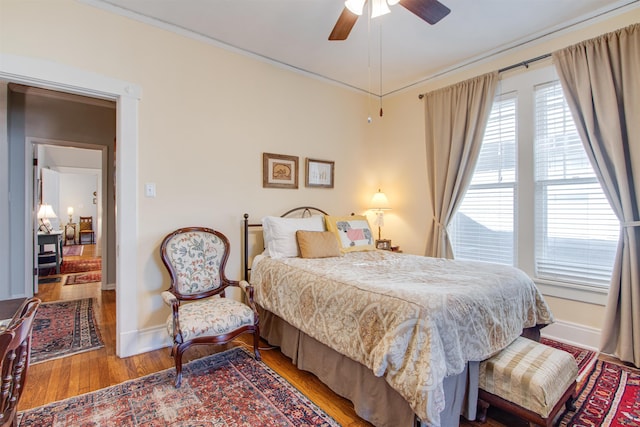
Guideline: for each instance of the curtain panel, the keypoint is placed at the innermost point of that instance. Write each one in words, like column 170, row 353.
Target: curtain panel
column 601, row 81
column 455, row 119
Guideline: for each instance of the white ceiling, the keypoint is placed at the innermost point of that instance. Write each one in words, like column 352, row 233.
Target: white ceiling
column 294, row 33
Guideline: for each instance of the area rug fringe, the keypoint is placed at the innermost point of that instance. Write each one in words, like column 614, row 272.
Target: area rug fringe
column 227, row 388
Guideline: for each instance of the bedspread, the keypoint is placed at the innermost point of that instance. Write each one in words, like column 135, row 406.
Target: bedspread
column 413, row 319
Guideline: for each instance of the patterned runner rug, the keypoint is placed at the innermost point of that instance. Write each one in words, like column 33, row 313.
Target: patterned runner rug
column 77, row 279
column 225, row 389
column 63, row 328
column 72, row 250
column 80, row 265
column 609, row 396
column 608, row 393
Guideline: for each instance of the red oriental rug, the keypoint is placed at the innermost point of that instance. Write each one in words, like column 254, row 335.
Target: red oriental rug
column 584, row 357
column 225, row 389
column 63, row 328
column 608, row 393
column 77, row 279
column 80, row 265
column 609, row 396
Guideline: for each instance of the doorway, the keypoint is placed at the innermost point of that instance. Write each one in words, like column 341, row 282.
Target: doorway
column 51, row 75
column 68, row 177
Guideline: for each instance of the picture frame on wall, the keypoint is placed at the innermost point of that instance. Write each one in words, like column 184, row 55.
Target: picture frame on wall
column 319, row 173
column 279, row 171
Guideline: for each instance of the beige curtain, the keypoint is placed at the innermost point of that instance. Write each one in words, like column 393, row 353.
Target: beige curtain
column 601, row 80
column 455, row 119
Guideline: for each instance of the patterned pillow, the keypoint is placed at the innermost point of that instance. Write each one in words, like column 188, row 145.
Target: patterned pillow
column 353, row 232
column 317, row 244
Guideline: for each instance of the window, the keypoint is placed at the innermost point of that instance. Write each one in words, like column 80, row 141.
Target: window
column 484, row 231
column 534, row 200
column 576, row 230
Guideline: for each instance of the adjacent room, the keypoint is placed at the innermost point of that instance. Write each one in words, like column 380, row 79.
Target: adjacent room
column 398, row 200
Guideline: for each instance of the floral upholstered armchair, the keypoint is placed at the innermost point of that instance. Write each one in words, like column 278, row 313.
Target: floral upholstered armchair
column 196, row 259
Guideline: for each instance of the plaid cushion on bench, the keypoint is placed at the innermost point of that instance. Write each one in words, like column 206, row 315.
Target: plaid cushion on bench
column 527, row 373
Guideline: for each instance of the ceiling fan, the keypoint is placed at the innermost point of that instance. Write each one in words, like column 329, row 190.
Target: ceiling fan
column 430, row 11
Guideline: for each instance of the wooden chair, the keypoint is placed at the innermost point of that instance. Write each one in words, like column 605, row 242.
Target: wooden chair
column 86, row 228
column 196, row 259
column 15, row 349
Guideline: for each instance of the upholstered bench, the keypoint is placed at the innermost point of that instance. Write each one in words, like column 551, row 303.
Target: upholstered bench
column 528, row 379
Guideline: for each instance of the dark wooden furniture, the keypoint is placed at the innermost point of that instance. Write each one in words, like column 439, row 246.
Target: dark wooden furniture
column 86, row 229
column 196, row 258
column 15, row 348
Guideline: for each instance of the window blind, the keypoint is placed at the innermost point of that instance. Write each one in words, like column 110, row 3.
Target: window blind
column 483, row 227
column 576, row 230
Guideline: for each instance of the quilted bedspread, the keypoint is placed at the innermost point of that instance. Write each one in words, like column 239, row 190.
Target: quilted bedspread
column 412, row 319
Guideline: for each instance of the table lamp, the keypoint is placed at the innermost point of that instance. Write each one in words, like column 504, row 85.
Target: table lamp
column 70, row 213
column 379, row 204
column 44, row 213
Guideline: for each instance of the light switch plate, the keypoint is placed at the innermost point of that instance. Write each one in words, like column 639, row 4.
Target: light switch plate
column 150, row 189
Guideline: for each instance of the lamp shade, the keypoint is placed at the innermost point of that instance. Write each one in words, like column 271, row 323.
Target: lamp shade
column 46, row 211
column 70, row 210
column 379, row 8
column 379, row 202
column 355, row 6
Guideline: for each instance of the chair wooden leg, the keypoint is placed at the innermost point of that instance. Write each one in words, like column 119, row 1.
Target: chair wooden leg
column 177, row 357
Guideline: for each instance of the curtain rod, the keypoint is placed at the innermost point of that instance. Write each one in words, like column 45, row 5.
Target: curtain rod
column 511, row 67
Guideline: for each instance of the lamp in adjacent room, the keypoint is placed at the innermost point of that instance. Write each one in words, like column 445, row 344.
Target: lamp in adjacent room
column 70, row 213
column 379, row 204
column 45, row 213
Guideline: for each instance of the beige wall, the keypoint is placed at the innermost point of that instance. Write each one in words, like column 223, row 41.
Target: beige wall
column 205, row 117
column 207, row 114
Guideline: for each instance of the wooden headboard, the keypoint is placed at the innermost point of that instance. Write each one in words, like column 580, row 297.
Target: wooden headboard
column 300, row 212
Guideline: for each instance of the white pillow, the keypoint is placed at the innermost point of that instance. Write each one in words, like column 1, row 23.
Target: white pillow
column 280, row 234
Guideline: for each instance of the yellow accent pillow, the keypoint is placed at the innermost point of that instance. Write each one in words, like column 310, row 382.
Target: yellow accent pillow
column 353, row 232
column 317, row 244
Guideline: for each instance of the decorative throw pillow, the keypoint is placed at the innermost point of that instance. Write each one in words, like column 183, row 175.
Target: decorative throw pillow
column 353, row 232
column 317, row 244
column 280, row 234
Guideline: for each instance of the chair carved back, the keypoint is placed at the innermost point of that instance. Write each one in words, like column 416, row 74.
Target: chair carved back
column 86, row 223
column 15, row 349
column 196, row 259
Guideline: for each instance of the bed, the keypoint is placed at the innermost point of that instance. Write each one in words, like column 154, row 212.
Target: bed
column 399, row 335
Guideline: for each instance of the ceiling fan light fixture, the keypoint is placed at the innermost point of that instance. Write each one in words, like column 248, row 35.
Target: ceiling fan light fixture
column 355, row 6
column 379, row 8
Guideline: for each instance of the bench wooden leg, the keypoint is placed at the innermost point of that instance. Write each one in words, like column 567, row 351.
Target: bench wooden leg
column 483, row 407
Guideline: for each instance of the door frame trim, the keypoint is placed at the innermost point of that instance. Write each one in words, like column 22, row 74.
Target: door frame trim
column 56, row 76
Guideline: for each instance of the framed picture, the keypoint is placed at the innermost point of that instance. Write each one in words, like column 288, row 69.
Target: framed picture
column 383, row 244
column 319, row 173
column 279, row 171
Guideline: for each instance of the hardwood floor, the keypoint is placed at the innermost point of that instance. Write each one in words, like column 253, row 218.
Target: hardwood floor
column 82, row 373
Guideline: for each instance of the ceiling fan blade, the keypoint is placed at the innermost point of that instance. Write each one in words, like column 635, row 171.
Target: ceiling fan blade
column 343, row 26
column 431, row 11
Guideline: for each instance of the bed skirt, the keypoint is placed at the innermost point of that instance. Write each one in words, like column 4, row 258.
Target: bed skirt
column 373, row 399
